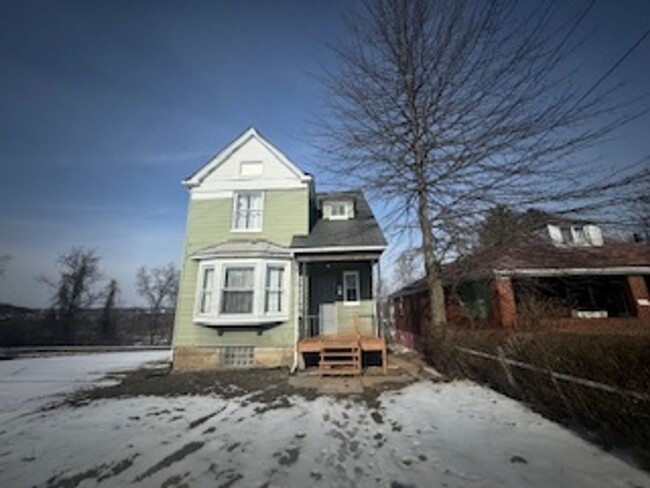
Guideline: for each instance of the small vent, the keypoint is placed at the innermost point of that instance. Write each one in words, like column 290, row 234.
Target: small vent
column 237, row 356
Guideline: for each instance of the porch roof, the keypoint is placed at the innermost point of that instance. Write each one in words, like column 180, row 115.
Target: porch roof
column 243, row 248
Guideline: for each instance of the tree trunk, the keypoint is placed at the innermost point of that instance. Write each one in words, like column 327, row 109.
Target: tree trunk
column 432, row 269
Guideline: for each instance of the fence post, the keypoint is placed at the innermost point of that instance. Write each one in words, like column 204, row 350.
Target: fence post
column 506, row 367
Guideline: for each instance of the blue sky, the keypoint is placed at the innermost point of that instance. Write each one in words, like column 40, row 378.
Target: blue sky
column 107, row 106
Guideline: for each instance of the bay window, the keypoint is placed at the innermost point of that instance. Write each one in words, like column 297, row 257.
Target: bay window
column 237, row 290
column 207, row 281
column 274, row 282
column 242, row 291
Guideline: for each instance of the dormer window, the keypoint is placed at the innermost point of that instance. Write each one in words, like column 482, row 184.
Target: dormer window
column 576, row 235
column 338, row 210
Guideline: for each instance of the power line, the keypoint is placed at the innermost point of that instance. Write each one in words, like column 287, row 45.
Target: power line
column 615, row 66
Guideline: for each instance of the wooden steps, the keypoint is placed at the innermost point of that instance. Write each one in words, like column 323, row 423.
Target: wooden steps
column 340, row 358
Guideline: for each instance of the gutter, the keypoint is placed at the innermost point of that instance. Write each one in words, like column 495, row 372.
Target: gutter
column 543, row 272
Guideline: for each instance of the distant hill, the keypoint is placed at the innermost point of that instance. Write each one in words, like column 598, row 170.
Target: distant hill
column 7, row 309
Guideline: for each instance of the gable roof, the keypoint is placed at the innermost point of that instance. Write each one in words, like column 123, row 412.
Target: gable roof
column 251, row 133
column 362, row 231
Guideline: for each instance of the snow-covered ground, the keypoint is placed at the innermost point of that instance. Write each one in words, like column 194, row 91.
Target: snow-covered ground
column 426, row 434
column 29, row 383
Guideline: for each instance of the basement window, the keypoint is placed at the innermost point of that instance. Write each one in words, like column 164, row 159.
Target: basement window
column 237, row 356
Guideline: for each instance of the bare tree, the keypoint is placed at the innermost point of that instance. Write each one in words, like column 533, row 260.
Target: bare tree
column 107, row 320
column 406, row 267
column 159, row 287
column 640, row 217
column 446, row 109
column 74, row 289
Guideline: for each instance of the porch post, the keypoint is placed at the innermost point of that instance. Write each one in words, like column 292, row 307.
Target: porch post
column 301, row 299
column 304, row 300
column 379, row 325
column 506, row 306
column 639, row 296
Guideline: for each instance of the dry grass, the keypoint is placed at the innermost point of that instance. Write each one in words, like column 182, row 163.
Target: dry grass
column 619, row 360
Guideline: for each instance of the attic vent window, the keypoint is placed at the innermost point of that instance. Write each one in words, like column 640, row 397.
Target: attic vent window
column 250, row 168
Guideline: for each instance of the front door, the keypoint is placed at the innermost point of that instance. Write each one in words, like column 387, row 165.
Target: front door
column 324, row 296
column 328, row 318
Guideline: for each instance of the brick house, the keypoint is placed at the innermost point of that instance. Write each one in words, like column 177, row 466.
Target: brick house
column 561, row 274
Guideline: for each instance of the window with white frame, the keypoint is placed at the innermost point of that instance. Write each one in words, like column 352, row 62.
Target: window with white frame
column 238, row 290
column 242, row 291
column 248, row 211
column 351, row 288
column 207, row 282
column 338, row 210
column 574, row 235
column 274, row 285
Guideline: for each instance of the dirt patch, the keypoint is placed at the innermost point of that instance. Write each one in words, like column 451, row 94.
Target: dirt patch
column 99, row 473
column 204, row 419
column 174, row 457
column 288, row 457
column 267, row 386
column 271, row 388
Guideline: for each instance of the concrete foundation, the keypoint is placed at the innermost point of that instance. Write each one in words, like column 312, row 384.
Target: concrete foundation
column 206, row 358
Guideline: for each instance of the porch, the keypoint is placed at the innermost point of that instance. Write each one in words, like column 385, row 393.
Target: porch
column 343, row 354
column 339, row 327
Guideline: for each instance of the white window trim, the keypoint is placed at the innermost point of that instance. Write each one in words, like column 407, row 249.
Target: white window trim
column 345, row 288
column 335, row 203
column 282, row 290
column 222, row 282
column 258, row 314
column 574, row 229
column 233, row 222
column 201, row 290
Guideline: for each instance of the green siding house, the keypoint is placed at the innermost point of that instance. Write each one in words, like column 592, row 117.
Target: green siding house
column 268, row 262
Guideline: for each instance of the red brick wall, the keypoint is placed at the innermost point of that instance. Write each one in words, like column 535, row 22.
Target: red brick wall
column 503, row 302
column 639, row 291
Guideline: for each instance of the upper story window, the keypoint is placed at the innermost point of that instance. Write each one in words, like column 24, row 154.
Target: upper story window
column 338, row 210
column 248, row 211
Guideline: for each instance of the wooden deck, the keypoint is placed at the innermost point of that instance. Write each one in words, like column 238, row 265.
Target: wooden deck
column 330, row 346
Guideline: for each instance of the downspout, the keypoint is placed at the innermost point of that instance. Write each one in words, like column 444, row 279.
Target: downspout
column 296, row 332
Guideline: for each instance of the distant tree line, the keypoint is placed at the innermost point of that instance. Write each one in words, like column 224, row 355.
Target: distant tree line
column 84, row 306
